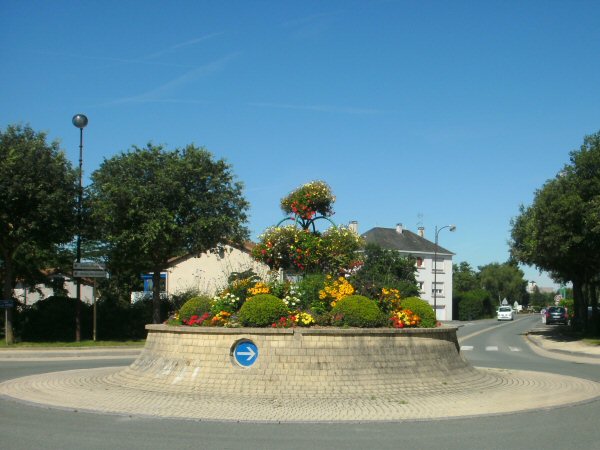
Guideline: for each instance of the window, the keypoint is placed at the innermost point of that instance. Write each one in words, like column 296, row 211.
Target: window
column 419, row 262
column 438, row 267
column 420, row 284
column 438, row 289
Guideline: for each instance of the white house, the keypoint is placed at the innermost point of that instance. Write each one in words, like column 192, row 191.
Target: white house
column 28, row 295
column 412, row 244
column 208, row 272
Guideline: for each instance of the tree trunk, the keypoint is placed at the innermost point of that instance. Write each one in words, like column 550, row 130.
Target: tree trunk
column 578, row 305
column 156, row 296
column 7, row 294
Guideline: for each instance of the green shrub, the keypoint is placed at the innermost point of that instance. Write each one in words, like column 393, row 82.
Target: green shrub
column 357, row 311
column 421, row 308
column 53, row 319
column 308, row 289
column 262, row 310
column 195, row 306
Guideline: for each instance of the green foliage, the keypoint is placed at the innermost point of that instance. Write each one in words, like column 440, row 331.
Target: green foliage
column 38, row 194
column 357, row 311
column 262, row 310
column 308, row 289
column 421, row 308
column 195, row 306
column 150, row 204
column 473, row 305
column 503, row 281
column 560, row 231
column 464, row 277
column 385, row 268
column 53, row 319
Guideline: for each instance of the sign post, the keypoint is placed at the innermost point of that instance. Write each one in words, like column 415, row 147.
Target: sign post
column 90, row 270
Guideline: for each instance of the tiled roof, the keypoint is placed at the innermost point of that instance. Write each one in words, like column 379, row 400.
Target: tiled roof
column 406, row 242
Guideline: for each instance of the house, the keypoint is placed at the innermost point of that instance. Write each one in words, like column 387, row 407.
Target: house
column 433, row 276
column 209, row 271
column 27, row 295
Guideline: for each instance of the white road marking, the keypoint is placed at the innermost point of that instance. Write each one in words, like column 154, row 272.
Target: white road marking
column 514, row 349
column 491, row 348
column 466, row 348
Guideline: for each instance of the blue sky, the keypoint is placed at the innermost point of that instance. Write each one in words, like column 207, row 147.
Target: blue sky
column 422, row 113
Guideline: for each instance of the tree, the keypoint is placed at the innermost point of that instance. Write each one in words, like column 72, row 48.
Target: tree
column 560, row 231
column 464, row 278
column 38, row 193
column 503, row 281
column 384, row 268
column 150, row 205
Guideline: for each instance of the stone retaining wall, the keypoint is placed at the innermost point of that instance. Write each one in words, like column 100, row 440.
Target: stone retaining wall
column 297, row 361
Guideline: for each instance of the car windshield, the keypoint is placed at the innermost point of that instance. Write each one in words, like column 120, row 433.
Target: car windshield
column 554, row 309
column 505, row 309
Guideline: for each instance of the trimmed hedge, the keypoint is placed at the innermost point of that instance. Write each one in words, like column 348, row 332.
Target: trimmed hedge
column 357, row 311
column 195, row 306
column 421, row 308
column 262, row 310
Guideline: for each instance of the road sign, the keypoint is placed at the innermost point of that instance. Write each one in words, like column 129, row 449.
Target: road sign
column 5, row 304
column 89, row 270
column 245, row 353
column 90, row 273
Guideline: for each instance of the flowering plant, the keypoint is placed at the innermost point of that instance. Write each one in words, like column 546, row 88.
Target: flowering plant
column 196, row 320
column 302, row 319
column 389, row 299
column 225, row 301
column 259, row 288
column 309, row 200
column 220, row 319
column 287, row 247
column 405, row 318
column 335, row 289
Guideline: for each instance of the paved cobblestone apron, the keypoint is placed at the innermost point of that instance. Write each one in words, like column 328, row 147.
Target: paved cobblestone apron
column 492, row 392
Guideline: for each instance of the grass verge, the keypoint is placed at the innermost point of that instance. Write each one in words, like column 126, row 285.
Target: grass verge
column 81, row 344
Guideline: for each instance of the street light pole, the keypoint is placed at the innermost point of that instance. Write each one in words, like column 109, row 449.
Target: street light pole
column 80, row 121
column 435, row 248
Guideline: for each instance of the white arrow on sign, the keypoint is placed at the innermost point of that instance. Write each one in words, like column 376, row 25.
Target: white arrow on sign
column 250, row 354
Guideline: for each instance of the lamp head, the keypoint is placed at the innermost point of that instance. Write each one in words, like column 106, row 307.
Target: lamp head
column 80, row 121
column 452, row 227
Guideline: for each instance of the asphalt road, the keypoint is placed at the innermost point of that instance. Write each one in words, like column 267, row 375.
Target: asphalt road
column 493, row 344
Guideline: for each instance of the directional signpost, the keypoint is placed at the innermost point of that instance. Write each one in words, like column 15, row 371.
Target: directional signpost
column 89, row 270
column 245, row 353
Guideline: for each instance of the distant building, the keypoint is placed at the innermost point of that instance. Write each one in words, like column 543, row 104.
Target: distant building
column 208, row 272
column 28, row 295
column 412, row 244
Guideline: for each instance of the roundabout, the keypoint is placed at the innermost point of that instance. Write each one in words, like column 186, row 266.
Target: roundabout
column 300, row 375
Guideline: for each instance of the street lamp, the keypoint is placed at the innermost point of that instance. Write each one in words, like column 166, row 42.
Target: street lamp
column 80, row 121
column 437, row 232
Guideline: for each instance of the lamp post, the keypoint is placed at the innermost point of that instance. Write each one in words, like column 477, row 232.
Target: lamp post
column 435, row 248
column 80, row 121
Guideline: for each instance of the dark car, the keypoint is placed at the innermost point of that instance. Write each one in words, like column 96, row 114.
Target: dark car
column 557, row 314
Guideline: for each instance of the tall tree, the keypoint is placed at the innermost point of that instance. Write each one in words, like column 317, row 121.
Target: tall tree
column 151, row 204
column 38, row 193
column 464, row 278
column 560, row 231
column 503, row 281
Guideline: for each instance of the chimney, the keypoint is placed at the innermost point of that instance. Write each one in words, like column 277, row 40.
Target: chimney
column 353, row 226
column 399, row 228
column 422, row 232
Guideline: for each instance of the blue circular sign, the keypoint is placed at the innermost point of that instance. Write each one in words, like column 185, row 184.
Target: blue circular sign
column 245, row 353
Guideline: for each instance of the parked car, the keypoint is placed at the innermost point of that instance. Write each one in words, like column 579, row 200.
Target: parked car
column 506, row 313
column 557, row 314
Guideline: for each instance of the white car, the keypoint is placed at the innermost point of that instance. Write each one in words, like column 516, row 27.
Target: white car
column 506, row 313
